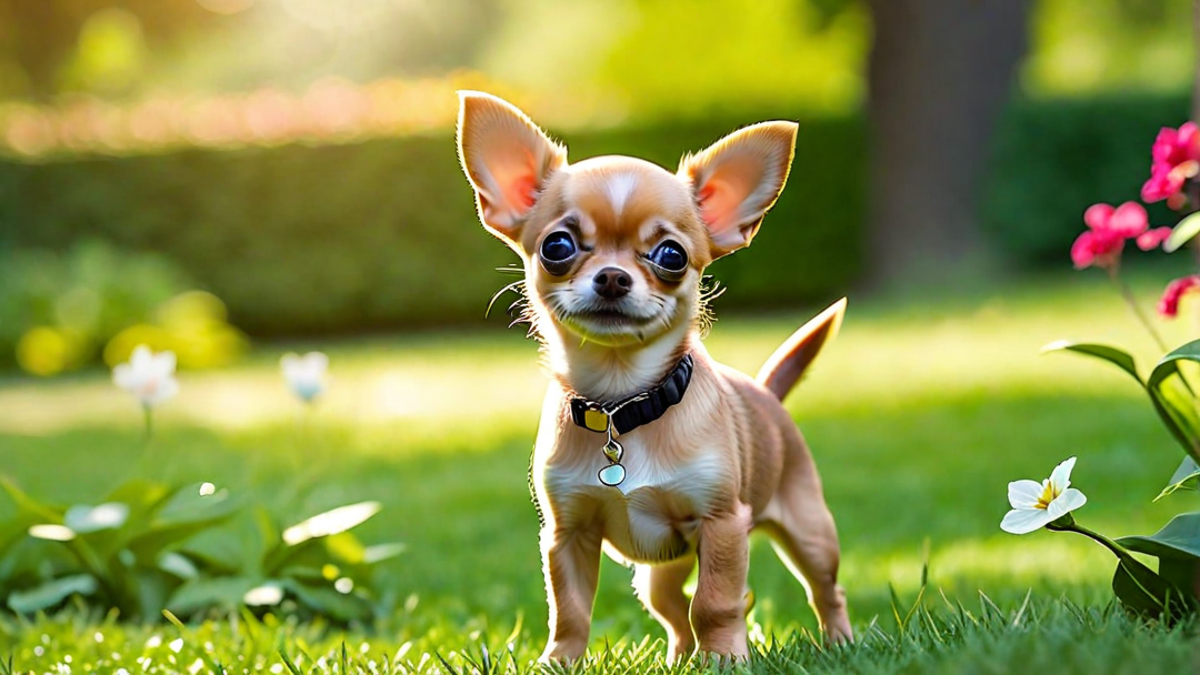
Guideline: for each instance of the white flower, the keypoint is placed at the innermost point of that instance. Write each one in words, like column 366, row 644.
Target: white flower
column 148, row 376
column 84, row 519
column 305, row 374
column 52, row 532
column 263, row 596
column 1035, row 505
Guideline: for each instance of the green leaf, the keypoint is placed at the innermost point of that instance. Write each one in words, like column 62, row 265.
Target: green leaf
column 303, row 540
column 44, row 512
column 1179, row 538
column 1184, row 478
column 1184, row 231
column 1145, row 593
column 326, row 600
column 1176, row 404
column 1117, row 357
column 178, row 565
column 1176, row 408
column 51, row 593
column 201, row 594
column 186, row 504
column 161, row 537
column 334, row 521
column 84, row 519
column 381, row 552
column 1180, row 572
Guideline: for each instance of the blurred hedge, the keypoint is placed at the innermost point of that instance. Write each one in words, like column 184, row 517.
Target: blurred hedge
column 383, row 234
column 1053, row 159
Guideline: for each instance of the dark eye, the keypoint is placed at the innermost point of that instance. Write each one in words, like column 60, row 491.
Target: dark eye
column 669, row 259
column 558, row 249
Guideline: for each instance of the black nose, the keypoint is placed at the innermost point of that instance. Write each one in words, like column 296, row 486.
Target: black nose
column 612, row 283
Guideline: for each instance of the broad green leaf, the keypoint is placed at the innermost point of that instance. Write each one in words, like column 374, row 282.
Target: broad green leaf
column 162, row 536
column 45, row 512
column 1144, row 592
column 1180, row 572
column 1175, row 408
column 84, row 519
column 330, row 522
column 1184, row 231
column 1184, row 478
column 1179, row 538
column 148, row 589
column 326, row 600
column 381, row 552
column 186, row 504
column 306, row 542
column 1117, row 357
column 141, row 495
column 200, row 594
column 179, row 565
column 51, row 593
column 1177, row 404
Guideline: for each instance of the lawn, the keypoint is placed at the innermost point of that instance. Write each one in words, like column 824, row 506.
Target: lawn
column 919, row 414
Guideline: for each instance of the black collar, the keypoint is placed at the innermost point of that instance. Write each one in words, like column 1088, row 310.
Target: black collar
column 631, row 413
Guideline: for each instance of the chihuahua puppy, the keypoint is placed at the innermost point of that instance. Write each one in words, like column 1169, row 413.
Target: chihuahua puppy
column 648, row 448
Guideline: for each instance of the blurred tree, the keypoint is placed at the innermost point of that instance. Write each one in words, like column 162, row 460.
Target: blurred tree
column 938, row 75
column 42, row 38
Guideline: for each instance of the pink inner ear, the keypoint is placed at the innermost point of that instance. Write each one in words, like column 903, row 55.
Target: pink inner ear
column 719, row 203
column 517, row 179
column 524, row 188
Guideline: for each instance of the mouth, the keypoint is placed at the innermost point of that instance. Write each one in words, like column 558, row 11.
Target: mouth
column 612, row 322
column 606, row 321
column 615, row 314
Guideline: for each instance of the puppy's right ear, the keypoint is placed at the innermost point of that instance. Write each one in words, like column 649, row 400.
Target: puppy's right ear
column 507, row 159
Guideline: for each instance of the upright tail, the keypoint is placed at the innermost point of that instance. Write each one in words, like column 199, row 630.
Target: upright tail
column 783, row 370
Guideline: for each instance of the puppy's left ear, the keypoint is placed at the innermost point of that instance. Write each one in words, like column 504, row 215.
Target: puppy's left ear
column 738, row 178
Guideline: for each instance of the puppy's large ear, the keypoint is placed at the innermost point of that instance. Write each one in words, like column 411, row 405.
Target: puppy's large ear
column 738, row 178
column 507, row 159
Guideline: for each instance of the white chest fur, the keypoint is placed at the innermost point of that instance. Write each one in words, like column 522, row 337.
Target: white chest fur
column 654, row 514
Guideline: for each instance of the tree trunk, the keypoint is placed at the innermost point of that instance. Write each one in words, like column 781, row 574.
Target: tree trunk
column 939, row 73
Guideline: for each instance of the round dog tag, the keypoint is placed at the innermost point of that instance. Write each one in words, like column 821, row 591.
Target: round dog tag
column 612, row 475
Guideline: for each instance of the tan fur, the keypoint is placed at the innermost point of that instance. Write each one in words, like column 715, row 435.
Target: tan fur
column 724, row 461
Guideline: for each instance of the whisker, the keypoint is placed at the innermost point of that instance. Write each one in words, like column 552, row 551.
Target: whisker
column 517, row 287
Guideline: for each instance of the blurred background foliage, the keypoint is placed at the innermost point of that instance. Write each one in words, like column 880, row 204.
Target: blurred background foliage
column 294, row 157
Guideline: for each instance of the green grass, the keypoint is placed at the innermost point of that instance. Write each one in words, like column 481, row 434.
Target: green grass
column 919, row 415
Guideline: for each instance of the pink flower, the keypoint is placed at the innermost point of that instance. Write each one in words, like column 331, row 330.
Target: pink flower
column 1168, row 306
column 1152, row 239
column 1176, row 155
column 1095, row 247
column 1109, row 228
column 1176, row 146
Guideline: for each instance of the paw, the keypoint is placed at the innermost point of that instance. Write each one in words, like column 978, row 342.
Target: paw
column 838, row 631
column 563, row 653
column 720, row 659
column 680, row 650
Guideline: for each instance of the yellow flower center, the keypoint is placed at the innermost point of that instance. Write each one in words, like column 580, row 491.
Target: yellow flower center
column 1049, row 494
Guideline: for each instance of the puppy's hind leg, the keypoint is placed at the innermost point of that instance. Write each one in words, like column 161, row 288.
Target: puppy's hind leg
column 660, row 588
column 803, row 534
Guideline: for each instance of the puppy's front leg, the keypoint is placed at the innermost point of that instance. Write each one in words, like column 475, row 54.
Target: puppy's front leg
column 719, row 607
column 571, row 564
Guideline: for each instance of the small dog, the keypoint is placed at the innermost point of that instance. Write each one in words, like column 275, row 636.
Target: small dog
column 648, row 448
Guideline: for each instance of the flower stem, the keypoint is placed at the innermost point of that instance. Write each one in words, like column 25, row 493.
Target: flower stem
column 1072, row 526
column 148, row 418
column 1127, row 294
column 147, row 440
